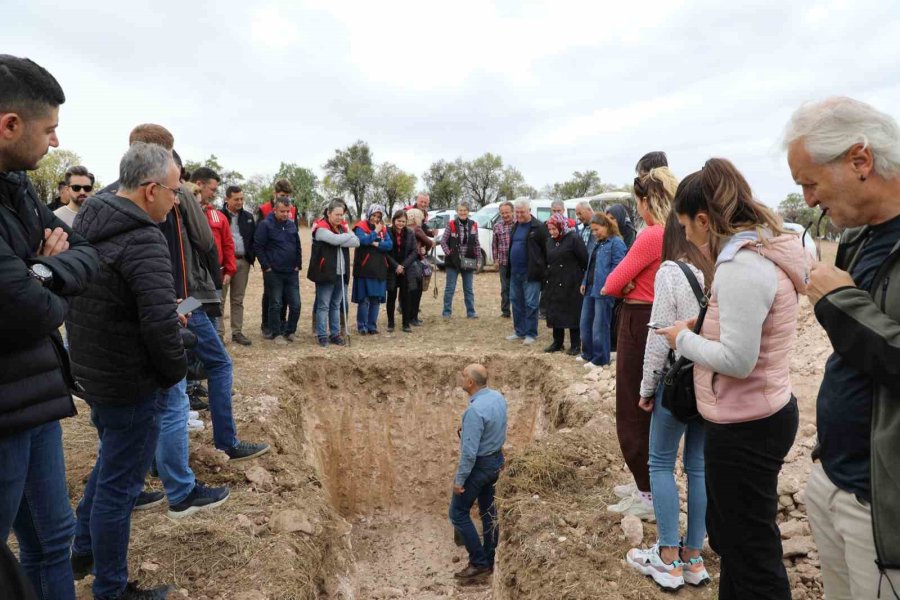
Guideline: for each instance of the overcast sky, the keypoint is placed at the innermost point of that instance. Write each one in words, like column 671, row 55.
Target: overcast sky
column 552, row 87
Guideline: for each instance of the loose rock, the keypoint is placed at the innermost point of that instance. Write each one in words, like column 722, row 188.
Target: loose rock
column 633, row 530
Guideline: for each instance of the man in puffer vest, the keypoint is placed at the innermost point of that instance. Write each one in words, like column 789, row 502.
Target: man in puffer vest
column 845, row 155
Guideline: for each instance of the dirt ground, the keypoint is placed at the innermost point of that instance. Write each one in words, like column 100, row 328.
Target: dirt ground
column 352, row 501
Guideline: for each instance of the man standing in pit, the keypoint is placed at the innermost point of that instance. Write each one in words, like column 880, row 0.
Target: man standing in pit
column 481, row 439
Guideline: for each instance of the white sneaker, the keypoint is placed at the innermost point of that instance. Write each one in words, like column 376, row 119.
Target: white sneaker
column 695, row 572
column 612, row 356
column 195, row 425
column 634, row 505
column 648, row 562
column 193, row 415
column 624, row 491
column 529, row 340
column 579, row 358
column 590, row 365
column 513, row 338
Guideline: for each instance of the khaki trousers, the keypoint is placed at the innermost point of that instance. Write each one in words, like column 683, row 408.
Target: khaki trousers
column 237, row 286
column 842, row 527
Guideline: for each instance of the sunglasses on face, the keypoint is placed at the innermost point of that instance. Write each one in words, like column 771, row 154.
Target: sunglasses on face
column 78, row 188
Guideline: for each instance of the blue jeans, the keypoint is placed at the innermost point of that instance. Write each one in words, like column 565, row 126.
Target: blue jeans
column 34, row 502
column 665, row 436
column 596, row 320
column 525, row 298
column 367, row 314
column 172, row 449
column 328, row 308
column 215, row 359
column 468, row 280
column 281, row 289
column 128, row 436
column 479, row 486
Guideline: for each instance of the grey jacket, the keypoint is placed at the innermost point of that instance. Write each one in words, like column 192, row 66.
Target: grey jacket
column 198, row 242
column 865, row 330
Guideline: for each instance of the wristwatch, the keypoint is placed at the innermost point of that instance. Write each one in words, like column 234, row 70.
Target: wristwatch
column 42, row 273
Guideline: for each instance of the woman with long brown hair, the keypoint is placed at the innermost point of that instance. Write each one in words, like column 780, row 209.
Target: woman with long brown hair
column 742, row 371
column 668, row 564
column 654, row 192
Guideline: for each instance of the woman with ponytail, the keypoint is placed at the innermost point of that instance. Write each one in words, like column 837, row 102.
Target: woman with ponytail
column 741, row 371
column 654, row 192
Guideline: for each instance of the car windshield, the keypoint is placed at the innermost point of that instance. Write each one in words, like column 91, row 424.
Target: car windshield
column 438, row 222
column 485, row 217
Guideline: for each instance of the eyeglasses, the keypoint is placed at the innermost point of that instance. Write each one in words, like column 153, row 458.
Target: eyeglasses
column 175, row 192
column 78, row 188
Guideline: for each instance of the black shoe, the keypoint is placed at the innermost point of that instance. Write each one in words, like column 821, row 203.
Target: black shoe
column 473, row 572
column 201, row 391
column 240, row 338
column 323, row 341
column 337, row 341
column 553, row 348
column 407, row 329
column 374, row 332
column 133, row 592
column 289, row 337
column 269, row 336
column 506, row 315
column 198, row 404
column 149, row 499
column 245, row 451
column 82, row 564
column 200, row 498
column 574, row 351
column 390, row 328
column 415, row 323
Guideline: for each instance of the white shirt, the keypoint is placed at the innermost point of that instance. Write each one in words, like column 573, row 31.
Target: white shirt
column 65, row 214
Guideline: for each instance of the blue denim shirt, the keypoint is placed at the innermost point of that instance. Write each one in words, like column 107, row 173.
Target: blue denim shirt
column 483, row 430
column 605, row 256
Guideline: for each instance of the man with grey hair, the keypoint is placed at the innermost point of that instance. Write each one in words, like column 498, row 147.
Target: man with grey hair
column 845, row 155
column 527, row 266
column 500, row 249
column 585, row 212
column 481, row 439
column 79, row 187
column 126, row 350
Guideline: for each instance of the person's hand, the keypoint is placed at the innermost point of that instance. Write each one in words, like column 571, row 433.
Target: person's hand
column 400, row 270
column 226, row 279
column 183, row 319
column 646, row 404
column 581, row 289
column 55, row 242
column 629, row 287
column 671, row 333
column 458, row 489
column 379, row 227
column 824, row 279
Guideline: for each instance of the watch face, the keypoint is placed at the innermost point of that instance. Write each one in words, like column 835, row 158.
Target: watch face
column 42, row 271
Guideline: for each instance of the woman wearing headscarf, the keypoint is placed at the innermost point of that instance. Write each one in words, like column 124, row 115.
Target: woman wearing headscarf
column 626, row 227
column 567, row 258
column 370, row 268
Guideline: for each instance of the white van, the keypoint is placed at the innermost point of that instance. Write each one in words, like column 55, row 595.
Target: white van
column 438, row 220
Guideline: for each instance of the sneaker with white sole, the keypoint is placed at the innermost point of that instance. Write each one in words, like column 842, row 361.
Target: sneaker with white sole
column 634, row 505
column 695, row 572
column 513, row 338
column 200, row 498
column 589, row 365
column 648, row 562
column 579, row 358
column 529, row 340
column 626, row 490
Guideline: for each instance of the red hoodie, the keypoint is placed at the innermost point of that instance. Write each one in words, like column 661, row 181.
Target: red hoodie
column 221, row 231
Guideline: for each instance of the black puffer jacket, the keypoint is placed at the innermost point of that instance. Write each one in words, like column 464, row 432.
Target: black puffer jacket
column 34, row 374
column 123, row 331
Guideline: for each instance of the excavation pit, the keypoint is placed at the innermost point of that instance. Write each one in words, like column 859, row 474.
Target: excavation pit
column 382, row 432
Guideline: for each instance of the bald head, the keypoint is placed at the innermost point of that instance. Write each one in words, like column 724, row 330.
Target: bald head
column 474, row 377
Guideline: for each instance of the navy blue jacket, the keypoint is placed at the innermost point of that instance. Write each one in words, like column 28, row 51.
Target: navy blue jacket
column 277, row 245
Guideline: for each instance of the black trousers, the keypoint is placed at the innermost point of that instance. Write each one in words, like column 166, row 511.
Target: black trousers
column 559, row 337
column 742, row 465
column 415, row 300
column 398, row 291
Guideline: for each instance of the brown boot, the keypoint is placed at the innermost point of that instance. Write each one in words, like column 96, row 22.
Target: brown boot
column 472, row 572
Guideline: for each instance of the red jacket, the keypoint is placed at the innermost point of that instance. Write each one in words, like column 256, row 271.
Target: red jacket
column 267, row 207
column 221, row 231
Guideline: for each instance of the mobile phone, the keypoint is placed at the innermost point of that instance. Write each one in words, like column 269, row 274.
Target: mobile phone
column 655, row 325
column 188, row 305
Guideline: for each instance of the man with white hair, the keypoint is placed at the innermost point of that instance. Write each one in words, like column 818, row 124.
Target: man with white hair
column 845, row 155
column 585, row 212
column 527, row 265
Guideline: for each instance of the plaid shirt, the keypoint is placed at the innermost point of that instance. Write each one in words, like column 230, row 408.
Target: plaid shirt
column 500, row 245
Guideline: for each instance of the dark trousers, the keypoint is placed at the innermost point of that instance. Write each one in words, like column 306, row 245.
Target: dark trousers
column 479, row 486
column 632, row 423
column 742, row 465
column 398, row 291
column 264, row 323
column 415, row 301
column 128, row 436
column 504, row 291
column 559, row 337
column 282, row 289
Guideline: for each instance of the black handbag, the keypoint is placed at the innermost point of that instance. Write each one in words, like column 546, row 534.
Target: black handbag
column 679, row 397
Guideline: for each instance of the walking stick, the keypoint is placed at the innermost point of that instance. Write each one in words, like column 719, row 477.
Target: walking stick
column 346, row 310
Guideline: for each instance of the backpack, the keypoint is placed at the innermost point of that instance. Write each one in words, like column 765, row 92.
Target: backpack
column 679, row 397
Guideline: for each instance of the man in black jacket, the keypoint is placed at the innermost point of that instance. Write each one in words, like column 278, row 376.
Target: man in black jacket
column 42, row 266
column 243, row 228
column 126, row 347
column 527, row 266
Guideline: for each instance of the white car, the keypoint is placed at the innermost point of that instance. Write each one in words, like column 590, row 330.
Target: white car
column 805, row 238
column 437, row 221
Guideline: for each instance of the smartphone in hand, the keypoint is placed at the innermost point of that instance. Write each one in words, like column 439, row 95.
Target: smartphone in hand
column 188, row 305
column 655, row 325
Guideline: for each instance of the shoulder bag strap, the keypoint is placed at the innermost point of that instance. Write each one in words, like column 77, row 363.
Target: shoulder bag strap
column 698, row 292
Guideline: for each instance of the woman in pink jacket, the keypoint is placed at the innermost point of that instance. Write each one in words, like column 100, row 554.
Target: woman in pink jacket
column 741, row 371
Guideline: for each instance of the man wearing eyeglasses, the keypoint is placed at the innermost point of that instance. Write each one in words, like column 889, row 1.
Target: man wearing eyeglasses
column 79, row 187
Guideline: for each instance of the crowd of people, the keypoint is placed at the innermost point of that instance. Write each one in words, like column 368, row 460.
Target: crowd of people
column 139, row 272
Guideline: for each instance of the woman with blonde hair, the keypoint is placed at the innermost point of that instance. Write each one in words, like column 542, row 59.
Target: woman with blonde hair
column 424, row 244
column 742, row 371
column 653, row 192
